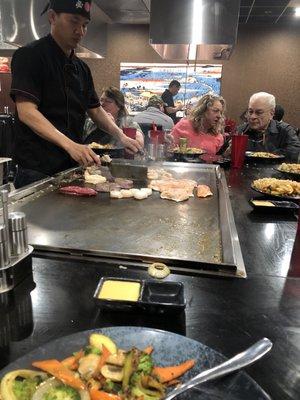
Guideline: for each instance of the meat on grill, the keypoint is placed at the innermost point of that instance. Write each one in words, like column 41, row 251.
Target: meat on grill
column 77, row 191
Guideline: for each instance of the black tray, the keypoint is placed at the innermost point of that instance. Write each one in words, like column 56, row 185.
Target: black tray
column 278, row 205
column 155, row 297
column 263, row 160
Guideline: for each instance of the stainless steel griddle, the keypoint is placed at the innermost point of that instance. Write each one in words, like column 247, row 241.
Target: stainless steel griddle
column 198, row 234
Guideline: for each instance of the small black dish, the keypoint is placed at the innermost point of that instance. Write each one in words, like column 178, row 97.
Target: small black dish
column 275, row 207
column 154, row 297
column 163, row 296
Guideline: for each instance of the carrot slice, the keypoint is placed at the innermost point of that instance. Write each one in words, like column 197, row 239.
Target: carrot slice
column 100, row 395
column 148, row 349
column 166, row 374
column 104, row 356
column 72, row 361
column 57, row 369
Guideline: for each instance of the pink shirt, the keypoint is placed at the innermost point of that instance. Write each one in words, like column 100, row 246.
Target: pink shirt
column 210, row 143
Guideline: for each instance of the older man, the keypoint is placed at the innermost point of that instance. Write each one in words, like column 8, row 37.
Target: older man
column 155, row 114
column 267, row 134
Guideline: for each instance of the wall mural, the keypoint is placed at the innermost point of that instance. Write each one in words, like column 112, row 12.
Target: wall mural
column 140, row 81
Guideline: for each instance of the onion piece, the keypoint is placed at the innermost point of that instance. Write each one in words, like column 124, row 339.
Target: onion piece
column 51, row 383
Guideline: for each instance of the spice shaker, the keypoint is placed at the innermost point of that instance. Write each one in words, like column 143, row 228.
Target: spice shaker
column 17, row 233
column 4, row 256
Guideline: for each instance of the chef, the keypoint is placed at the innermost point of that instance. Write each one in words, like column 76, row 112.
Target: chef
column 53, row 90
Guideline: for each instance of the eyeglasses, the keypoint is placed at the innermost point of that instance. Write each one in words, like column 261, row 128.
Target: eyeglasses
column 258, row 113
column 106, row 100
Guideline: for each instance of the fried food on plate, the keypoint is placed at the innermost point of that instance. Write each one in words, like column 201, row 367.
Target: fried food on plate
column 277, row 187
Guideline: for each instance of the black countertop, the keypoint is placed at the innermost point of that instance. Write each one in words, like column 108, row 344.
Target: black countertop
column 225, row 314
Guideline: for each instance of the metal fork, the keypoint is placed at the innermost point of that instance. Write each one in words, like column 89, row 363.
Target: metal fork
column 241, row 360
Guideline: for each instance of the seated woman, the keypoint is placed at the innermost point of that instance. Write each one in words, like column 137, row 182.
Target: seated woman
column 204, row 125
column 113, row 102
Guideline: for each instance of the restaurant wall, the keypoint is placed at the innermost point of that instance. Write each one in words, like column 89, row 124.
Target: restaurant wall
column 265, row 59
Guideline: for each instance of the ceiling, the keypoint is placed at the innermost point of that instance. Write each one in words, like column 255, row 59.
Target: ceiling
column 252, row 12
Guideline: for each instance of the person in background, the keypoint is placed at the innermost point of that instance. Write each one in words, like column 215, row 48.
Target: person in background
column 167, row 97
column 203, row 127
column 279, row 113
column 154, row 114
column 53, row 90
column 113, row 102
column 267, row 134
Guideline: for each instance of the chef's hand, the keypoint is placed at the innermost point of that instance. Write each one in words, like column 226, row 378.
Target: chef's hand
column 132, row 145
column 83, row 154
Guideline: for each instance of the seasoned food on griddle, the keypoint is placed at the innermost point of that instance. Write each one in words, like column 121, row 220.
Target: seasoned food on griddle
column 175, row 194
column 93, row 178
column 203, row 191
column 124, row 183
column 158, row 173
column 163, row 185
column 77, row 191
column 107, row 187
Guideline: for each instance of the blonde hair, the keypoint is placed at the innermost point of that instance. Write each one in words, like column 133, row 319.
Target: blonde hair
column 197, row 115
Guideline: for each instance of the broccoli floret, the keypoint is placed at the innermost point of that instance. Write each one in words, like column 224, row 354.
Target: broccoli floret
column 145, row 364
column 62, row 392
column 111, row 387
column 91, row 350
column 24, row 388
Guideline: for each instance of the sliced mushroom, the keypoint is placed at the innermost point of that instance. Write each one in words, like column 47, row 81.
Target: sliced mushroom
column 112, row 372
column 117, row 359
column 88, row 365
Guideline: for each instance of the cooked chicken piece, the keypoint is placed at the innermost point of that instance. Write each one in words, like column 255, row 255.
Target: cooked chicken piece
column 146, row 190
column 126, row 193
column 140, row 195
column 88, row 365
column 203, row 191
column 175, row 195
column 116, row 194
column 162, row 185
column 93, row 178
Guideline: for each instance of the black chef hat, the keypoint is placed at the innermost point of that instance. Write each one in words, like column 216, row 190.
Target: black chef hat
column 82, row 7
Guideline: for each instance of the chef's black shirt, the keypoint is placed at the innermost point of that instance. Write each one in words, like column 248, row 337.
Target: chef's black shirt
column 63, row 89
column 168, row 99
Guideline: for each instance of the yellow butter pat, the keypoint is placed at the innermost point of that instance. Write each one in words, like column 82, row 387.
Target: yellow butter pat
column 263, row 203
column 120, row 290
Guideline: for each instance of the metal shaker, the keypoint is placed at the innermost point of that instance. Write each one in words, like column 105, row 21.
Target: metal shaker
column 18, row 236
column 4, row 256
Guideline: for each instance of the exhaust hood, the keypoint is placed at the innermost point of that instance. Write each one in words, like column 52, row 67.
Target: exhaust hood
column 21, row 23
column 194, row 29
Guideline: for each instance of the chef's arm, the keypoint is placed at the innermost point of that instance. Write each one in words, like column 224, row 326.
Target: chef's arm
column 29, row 114
column 105, row 122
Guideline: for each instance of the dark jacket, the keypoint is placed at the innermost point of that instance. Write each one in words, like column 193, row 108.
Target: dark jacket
column 280, row 138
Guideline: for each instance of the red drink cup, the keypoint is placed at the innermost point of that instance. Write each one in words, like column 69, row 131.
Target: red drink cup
column 131, row 133
column 238, row 150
